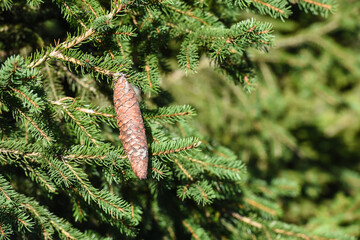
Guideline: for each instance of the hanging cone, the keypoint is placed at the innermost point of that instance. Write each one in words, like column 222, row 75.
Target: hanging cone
column 131, row 126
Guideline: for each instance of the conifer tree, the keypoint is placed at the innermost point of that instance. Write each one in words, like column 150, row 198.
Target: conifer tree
column 64, row 172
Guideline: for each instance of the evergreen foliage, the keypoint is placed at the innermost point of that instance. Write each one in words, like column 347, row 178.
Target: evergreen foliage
column 299, row 130
column 64, row 173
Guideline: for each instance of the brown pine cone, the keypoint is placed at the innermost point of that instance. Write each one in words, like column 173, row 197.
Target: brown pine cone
column 131, row 126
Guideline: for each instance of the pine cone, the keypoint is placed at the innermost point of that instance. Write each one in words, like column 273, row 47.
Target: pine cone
column 131, row 126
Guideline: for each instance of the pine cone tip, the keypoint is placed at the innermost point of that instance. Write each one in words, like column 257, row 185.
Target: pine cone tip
column 141, row 175
column 139, row 163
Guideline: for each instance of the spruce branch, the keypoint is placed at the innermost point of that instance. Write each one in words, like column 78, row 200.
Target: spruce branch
column 65, row 45
column 327, row 6
column 10, row 149
column 15, row 217
column 38, row 131
column 85, row 126
column 186, row 173
column 187, row 12
column 200, row 191
column 53, row 86
column 92, row 8
column 196, row 231
column 280, row 228
column 181, row 145
column 262, row 205
column 76, row 104
column 27, row 98
column 73, row 14
column 159, row 170
column 273, row 8
column 93, row 112
column 317, row 7
column 37, row 212
column 110, row 204
column 169, row 114
column 152, row 73
column 100, row 65
column 222, row 168
column 188, row 57
column 81, row 127
column 39, row 176
column 74, row 41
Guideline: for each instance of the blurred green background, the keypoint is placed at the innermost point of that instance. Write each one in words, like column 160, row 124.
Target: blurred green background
column 301, row 124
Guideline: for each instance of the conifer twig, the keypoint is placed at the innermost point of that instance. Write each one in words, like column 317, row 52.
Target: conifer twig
column 188, row 13
column 269, row 6
column 323, row 5
column 42, row 133
column 183, row 169
column 26, row 97
column 277, row 230
column 75, row 41
column 260, row 206
column 175, row 150
column 190, row 230
column 59, row 55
